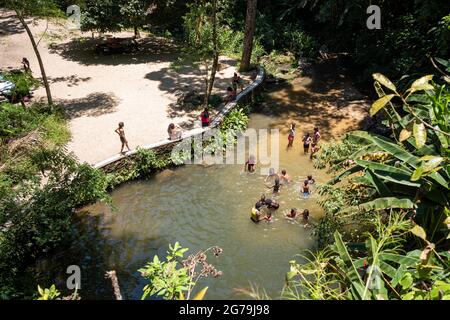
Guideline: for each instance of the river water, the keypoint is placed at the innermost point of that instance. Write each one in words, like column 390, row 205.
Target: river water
column 199, row 207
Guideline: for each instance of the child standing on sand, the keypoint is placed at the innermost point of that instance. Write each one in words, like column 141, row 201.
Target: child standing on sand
column 121, row 132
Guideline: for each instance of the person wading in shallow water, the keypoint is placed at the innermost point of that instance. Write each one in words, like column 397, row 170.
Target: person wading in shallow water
column 121, row 132
column 291, row 135
column 306, row 142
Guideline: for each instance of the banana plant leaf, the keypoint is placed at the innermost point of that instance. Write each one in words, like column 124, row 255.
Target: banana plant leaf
column 352, row 272
column 379, row 185
column 387, row 203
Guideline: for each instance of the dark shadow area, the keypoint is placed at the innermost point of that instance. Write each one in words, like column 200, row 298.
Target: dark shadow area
column 9, row 24
column 327, row 99
column 93, row 105
column 89, row 251
column 83, row 51
column 186, row 78
column 72, row 81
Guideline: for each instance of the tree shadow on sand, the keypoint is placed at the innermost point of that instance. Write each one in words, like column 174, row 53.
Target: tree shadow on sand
column 72, row 81
column 9, row 24
column 326, row 99
column 82, row 50
column 93, row 105
column 186, row 78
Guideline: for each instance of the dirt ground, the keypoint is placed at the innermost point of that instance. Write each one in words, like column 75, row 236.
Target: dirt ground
column 98, row 91
column 140, row 89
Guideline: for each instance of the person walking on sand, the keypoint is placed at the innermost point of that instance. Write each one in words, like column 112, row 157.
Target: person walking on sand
column 306, row 142
column 26, row 65
column 121, row 132
column 291, row 135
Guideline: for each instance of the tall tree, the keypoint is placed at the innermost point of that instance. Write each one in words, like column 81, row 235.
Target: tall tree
column 215, row 62
column 250, row 23
column 25, row 8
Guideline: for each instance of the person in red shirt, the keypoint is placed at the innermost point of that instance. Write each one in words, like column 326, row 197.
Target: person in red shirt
column 205, row 117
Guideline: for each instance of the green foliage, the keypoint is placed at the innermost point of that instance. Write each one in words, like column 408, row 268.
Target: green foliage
column 407, row 171
column 381, row 271
column 147, row 162
column 40, row 185
column 48, row 294
column 24, row 83
column 16, row 121
column 173, row 278
column 167, row 279
column 236, row 121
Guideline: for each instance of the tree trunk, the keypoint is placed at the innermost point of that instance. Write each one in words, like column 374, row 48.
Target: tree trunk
column 216, row 52
column 206, row 101
column 250, row 23
column 137, row 35
column 38, row 56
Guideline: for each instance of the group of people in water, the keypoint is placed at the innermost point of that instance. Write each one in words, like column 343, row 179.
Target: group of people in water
column 264, row 208
column 310, row 143
column 311, row 146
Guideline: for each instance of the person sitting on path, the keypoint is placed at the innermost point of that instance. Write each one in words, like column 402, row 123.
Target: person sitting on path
column 231, row 95
column 121, row 132
column 205, row 118
column 237, row 82
column 174, row 132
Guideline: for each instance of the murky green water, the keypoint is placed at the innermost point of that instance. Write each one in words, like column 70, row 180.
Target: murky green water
column 199, row 207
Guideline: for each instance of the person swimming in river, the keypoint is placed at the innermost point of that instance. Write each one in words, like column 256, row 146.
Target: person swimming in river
column 250, row 164
column 272, row 174
column 305, row 217
column 294, row 213
column 256, row 213
column 261, row 202
column 311, row 180
column 257, row 216
column 276, row 187
column 284, row 177
column 306, row 189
